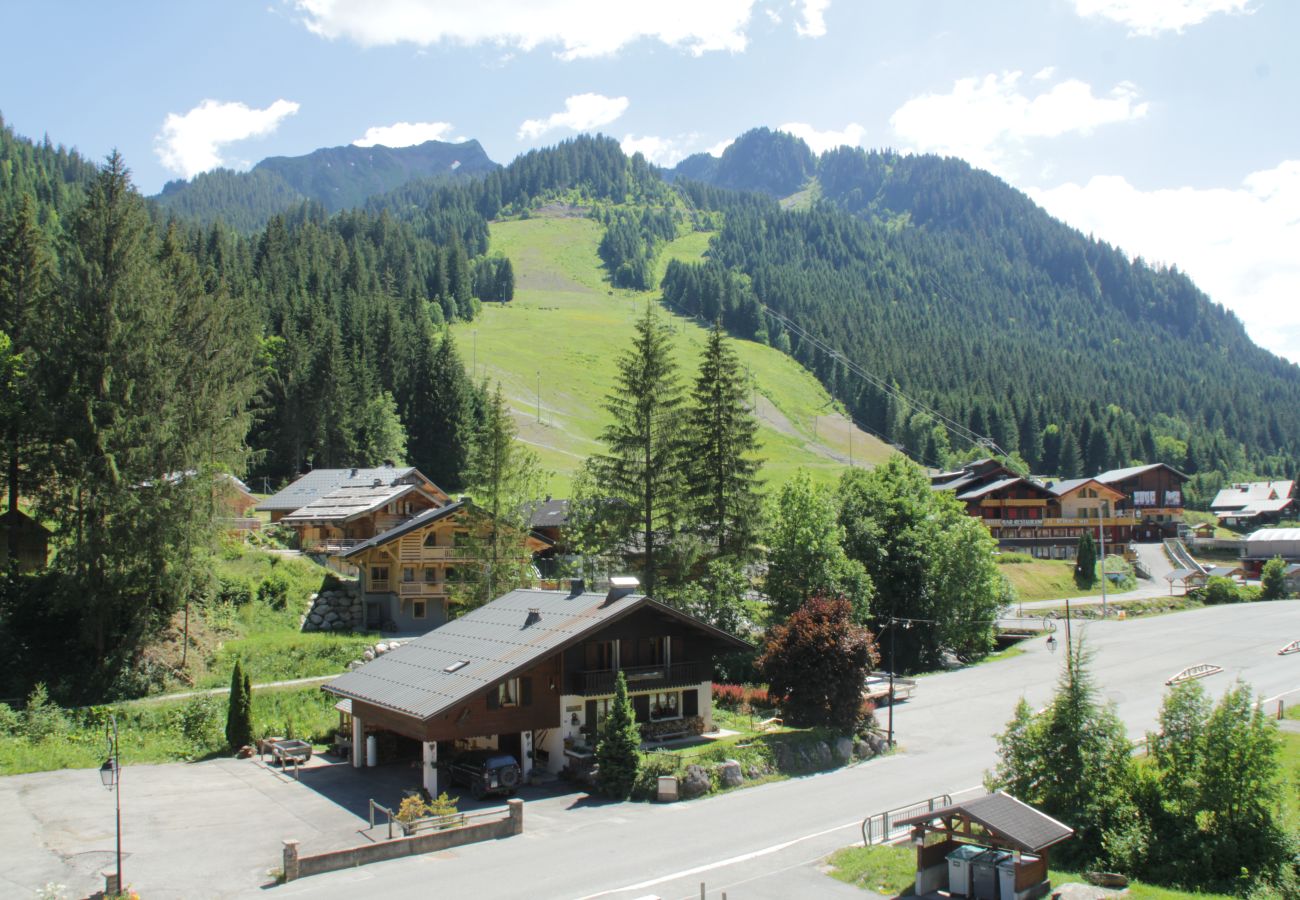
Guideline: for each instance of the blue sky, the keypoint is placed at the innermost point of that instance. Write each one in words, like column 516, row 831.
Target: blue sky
column 1167, row 127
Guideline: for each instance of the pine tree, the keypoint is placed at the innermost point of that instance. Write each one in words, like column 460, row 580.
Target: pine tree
column 1070, row 461
column 642, row 469
column 721, row 440
column 440, row 416
column 617, row 756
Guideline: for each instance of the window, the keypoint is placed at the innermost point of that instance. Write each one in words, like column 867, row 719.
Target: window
column 430, row 575
column 601, row 655
column 460, row 539
column 431, row 539
column 419, row 609
column 665, row 706
column 602, row 711
column 379, row 574
column 508, row 692
column 451, row 575
column 408, row 574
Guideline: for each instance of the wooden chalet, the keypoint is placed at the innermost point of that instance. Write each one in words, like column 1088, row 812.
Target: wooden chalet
column 32, row 541
column 1254, row 503
column 407, row 572
column 532, row 673
column 1153, row 494
column 992, row 846
column 355, row 506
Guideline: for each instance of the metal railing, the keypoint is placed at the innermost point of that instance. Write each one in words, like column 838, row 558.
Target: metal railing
column 880, row 828
column 601, row 681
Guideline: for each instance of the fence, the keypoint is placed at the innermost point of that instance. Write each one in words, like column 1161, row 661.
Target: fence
column 880, row 828
column 486, row 826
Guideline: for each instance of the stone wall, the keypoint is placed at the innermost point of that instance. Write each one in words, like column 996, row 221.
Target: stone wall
column 296, row 866
column 338, row 608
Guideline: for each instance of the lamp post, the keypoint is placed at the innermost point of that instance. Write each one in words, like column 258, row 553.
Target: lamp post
column 539, row 396
column 1101, row 531
column 111, row 774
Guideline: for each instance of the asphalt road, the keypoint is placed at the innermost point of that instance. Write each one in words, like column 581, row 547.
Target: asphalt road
column 765, row 842
column 213, row 829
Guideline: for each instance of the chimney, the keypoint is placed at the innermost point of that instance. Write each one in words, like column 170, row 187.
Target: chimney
column 534, row 616
column 620, row 586
column 353, row 474
column 378, row 482
column 576, row 586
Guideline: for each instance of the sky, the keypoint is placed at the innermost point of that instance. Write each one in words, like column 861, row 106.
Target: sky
column 1168, row 128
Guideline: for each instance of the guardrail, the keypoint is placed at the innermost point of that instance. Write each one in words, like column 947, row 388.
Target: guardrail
column 879, row 828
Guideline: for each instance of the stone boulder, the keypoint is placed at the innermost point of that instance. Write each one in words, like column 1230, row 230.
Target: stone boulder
column 695, row 783
column 731, row 774
column 843, row 749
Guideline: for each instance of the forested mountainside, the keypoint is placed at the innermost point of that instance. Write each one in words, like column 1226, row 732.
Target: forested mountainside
column 945, row 281
column 338, row 178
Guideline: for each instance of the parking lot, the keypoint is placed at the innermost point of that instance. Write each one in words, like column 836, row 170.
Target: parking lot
column 207, row 829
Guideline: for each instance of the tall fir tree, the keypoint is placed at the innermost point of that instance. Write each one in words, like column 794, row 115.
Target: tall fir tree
column 503, row 477
column 1085, row 561
column 642, row 468
column 617, row 756
column 441, row 415
column 720, row 446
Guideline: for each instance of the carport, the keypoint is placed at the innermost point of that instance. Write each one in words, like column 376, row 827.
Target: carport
column 964, row 839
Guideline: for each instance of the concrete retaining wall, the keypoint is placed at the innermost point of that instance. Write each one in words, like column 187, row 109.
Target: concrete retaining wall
column 296, row 866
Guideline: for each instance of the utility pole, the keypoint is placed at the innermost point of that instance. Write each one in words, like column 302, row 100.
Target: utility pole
column 539, row 396
column 1101, row 528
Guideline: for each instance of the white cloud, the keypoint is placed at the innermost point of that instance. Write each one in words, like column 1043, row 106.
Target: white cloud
column 189, row 143
column 581, row 28
column 720, row 147
column 985, row 120
column 821, row 141
column 581, row 112
column 1151, row 17
column 661, row 151
column 814, row 18
column 1237, row 244
column 1045, row 73
column 404, row 134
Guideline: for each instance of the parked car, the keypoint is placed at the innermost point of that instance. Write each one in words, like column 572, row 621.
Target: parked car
column 486, row 772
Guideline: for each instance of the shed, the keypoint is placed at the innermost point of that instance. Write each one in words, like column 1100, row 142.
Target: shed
column 995, row 821
column 33, row 541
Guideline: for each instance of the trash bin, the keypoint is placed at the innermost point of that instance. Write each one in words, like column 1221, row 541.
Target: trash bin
column 959, row 861
column 984, row 874
column 1007, row 878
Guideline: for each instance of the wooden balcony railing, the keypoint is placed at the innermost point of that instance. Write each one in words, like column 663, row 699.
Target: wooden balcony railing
column 422, row 589
column 331, row 546
column 641, row 678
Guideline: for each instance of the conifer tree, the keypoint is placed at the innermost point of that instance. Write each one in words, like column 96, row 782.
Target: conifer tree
column 617, row 756
column 641, row 470
column 1070, row 460
column 503, row 477
column 239, row 710
column 1085, row 565
column 722, row 473
column 440, row 417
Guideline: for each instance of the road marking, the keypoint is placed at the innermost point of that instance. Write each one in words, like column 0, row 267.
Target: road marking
column 744, row 857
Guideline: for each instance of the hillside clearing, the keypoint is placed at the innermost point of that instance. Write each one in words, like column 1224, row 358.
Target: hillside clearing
column 554, row 349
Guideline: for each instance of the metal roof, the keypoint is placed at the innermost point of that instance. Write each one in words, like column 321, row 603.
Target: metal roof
column 1005, row 817
column 495, row 641
column 351, row 501
column 319, row 482
column 1274, row 534
column 988, row 488
column 1121, row 474
column 548, row 513
column 1245, row 494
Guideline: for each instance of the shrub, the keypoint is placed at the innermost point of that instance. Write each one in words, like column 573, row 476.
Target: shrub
column 653, row 765
column 234, row 591
column 734, row 696
column 42, row 718
column 198, row 722
column 274, row 591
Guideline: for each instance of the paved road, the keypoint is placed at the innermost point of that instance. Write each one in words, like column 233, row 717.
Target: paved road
column 213, row 829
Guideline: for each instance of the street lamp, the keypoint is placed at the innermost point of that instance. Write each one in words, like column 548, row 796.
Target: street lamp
column 1101, row 530
column 111, row 774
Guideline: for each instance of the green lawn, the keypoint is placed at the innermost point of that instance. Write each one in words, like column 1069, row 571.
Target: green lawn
column 1048, row 579
column 566, row 327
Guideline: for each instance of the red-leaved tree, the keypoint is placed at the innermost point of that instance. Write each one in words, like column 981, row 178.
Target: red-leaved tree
column 817, row 662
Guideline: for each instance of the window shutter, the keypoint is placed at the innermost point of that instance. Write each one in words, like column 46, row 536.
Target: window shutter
column 494, row 698
column 678, row 650
column 691, row 702
column 641, row 705
column 591, row 717
column 526, row 691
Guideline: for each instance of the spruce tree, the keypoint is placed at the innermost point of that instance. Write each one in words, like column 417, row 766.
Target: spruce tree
column 617, row 756
column 1085, row 565
column 641, row 470
column 721, row 440
column 440, row 415
column 239, row 719
column 503, row 477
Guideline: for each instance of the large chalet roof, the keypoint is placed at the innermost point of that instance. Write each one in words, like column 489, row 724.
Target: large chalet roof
column 1061, row 488
column 411, row 524
column 1238, row 496
column 1115, row 475
column 1005, row 817
column 322, row 482
column 350, row 502
column 548, row 513
column 513, row 633
column 1002, row 483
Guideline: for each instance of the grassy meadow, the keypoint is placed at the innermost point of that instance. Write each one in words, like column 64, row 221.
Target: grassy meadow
column 566, row 327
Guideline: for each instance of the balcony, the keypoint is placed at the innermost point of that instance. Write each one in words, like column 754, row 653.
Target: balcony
column 331, row 546
column 597, row 682
column 422, row 589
